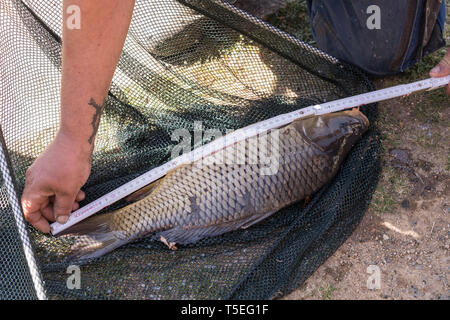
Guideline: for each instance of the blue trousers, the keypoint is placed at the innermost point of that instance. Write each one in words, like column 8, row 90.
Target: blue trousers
column 385, row 40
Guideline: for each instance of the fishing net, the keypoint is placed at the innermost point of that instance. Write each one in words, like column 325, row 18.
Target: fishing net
column 183, row 61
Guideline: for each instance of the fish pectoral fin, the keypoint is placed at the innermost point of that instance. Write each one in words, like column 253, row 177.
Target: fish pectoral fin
column 181, row 235
column 256, row 219
column 143, row 192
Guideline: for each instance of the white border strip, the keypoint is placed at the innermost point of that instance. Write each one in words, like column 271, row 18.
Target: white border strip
column 242, row 134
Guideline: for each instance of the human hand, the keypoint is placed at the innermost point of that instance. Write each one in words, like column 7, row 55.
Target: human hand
column 53, row 183
column 442, row 69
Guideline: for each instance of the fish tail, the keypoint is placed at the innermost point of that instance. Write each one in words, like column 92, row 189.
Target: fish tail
column 94, row 237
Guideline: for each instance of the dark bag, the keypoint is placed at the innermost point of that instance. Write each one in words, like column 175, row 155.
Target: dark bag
column 402, row 34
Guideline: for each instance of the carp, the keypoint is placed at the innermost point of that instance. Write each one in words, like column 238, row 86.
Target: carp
column 208, row 198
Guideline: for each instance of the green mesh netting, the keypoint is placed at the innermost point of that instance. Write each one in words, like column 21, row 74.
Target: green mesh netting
column 183, row 61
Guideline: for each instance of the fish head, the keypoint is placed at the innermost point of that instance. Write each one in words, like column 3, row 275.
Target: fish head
column 334, row 133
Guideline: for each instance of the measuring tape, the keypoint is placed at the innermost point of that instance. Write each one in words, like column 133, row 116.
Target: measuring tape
column 242, row 134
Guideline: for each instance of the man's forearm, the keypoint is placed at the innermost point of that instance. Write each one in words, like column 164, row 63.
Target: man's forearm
column 90, row 55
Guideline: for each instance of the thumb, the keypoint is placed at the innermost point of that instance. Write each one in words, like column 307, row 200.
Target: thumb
column 443, row 68
column 62, row 207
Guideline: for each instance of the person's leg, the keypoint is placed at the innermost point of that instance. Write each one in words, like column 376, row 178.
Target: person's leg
column 380, row 36
column 441, row 16
column 427, row 35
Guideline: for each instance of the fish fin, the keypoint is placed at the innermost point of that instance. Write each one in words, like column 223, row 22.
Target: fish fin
column 181, row 235
column 94, row 237
column 257, row 219
column 143, row 192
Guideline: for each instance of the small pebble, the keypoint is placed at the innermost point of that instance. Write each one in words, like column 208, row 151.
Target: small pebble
column 400, row 155
column 405, row 204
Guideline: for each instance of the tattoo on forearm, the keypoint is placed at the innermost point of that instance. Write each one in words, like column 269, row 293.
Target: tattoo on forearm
column 95, row 119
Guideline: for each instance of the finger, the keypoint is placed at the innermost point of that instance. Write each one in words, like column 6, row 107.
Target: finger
column 443, row 68
column 42, row 225
column 47, row 212
column 80, row 196
column 62, row 207
column 75, row 206
column 32, row 202
column 38, row 221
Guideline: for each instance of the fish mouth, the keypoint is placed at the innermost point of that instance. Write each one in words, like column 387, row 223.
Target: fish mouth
column 360, row 116
column 360, row 123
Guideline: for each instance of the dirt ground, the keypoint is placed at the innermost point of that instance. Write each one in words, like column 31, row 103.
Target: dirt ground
column 405, row 233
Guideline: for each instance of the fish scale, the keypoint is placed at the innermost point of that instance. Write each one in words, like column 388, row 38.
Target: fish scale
column 214, row 195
